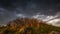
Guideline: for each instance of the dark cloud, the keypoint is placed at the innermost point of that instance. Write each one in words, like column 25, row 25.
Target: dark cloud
column 9, row 8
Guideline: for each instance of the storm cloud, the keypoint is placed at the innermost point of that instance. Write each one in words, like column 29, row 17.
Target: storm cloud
column 10, row 9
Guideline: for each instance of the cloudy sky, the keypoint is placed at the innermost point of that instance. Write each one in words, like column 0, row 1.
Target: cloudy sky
column 41, row 9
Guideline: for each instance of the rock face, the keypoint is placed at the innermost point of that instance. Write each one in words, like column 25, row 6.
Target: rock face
column 25, row 21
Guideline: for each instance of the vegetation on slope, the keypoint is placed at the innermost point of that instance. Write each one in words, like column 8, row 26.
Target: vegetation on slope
column 27, row 26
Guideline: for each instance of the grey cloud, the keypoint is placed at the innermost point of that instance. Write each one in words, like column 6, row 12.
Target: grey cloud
column 9, row 8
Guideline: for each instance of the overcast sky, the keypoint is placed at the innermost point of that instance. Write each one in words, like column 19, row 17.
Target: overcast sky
column 44, row 9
